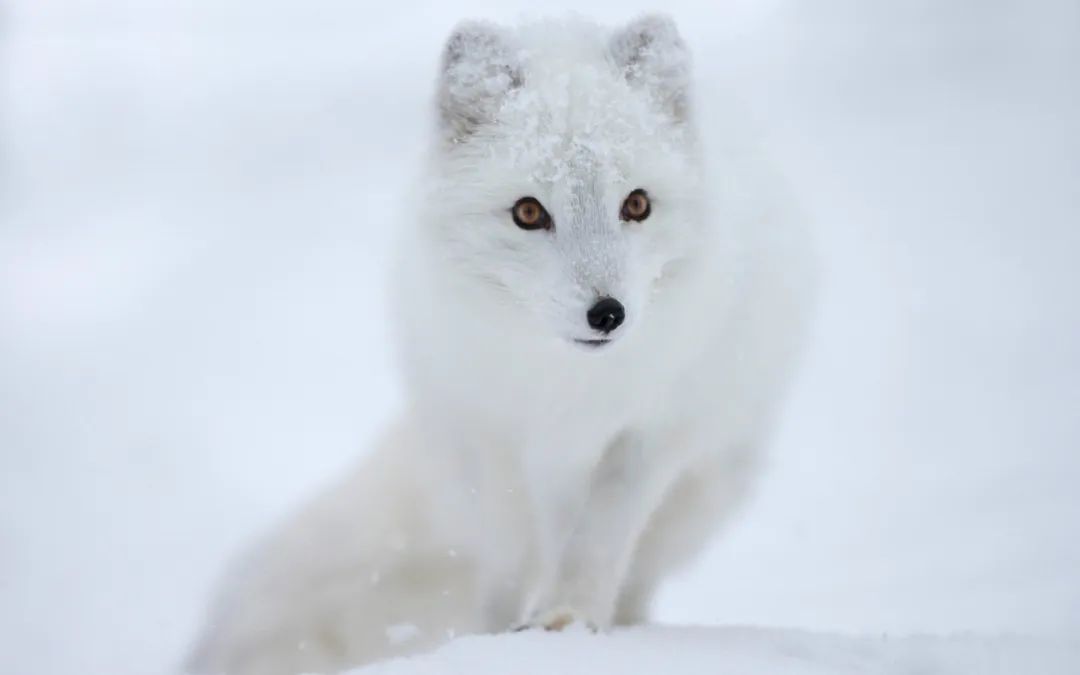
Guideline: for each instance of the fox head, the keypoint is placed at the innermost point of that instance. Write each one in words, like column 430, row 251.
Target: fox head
column 566, row 174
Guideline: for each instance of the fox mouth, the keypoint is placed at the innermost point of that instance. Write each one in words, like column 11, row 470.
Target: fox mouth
column 593, row 344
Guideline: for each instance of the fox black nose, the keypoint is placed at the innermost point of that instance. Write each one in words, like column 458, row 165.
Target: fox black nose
column 606, row 315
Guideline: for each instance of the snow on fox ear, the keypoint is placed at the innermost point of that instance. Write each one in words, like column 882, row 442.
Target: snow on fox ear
column 479, row 70
column 653, row 57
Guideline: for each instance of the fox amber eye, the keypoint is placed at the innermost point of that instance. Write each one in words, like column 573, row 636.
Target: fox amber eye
column 636, row 206
column 530, row 215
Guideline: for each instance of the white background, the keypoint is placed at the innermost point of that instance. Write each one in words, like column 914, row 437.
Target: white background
column 197, row 201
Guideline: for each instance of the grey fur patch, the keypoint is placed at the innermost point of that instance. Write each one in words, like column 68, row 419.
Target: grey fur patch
column 653, row 57
column 479, row 70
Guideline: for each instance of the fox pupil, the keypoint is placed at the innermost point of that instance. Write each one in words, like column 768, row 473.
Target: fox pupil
column 636, row 206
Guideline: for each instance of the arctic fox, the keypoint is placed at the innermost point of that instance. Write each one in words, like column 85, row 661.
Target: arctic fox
column 594, row 338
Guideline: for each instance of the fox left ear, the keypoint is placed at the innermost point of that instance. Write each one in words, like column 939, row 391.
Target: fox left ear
column 479, row 70
column 653, row 58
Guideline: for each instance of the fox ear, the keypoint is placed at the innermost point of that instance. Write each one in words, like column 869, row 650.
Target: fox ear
column 653, row 58
column 479, row 70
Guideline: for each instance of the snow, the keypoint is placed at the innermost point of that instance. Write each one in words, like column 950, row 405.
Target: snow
column 745, row 651
column 196, row 209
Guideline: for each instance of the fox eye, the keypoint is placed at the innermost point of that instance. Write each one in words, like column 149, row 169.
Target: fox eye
column 636, row 206
column 530, row 215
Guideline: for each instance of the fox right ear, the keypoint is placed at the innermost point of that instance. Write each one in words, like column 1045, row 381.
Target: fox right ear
column 479, row 70
column 653, row 58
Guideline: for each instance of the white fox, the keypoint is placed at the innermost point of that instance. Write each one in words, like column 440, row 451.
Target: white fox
column 594, row 339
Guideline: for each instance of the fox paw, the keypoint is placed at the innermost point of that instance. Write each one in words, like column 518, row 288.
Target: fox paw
column 557, row 620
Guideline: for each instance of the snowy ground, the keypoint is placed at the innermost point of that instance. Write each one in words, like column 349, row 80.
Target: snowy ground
column 741, row 651
column 196, row 203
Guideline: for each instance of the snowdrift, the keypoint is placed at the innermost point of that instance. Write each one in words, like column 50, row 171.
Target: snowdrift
column 736, row 651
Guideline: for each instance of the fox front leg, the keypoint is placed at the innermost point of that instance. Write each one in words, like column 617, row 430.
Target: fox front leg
column 558, row 485
column 624, row 489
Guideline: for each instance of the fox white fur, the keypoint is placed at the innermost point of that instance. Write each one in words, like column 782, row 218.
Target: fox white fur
column 534, row 481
